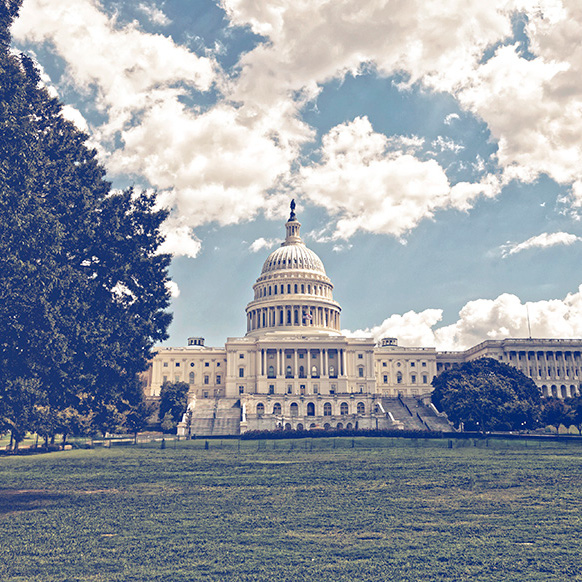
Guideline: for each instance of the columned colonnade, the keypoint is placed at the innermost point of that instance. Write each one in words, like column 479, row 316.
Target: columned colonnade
column 293, row 316
column 301, row 363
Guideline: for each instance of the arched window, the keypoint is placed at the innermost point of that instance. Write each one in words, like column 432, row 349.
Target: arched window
column 344, row 408
column 332, row 373
column 296, row 317
column 310, row 409
column 260, row 409
column 271, row 372
column 399, row 377
column 301, row 372
column 191, row 378
column 276, row 408
column 288, row 372
column 361, row 371
column 314, row 372
column 299, row 426
column 288, row 317
column 295, row 287
column 361, row 408
column 327, row 409
column 294, row 409
column 302, row 288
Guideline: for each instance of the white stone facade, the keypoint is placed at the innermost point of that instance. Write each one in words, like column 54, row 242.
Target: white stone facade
column 294, row 370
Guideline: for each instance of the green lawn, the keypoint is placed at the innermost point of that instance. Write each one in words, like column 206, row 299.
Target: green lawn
column 386, row 509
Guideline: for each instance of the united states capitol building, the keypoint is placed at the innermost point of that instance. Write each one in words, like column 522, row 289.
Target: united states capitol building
column 294, row 370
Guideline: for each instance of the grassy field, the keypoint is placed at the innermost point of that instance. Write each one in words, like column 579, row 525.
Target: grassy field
column 322, row 510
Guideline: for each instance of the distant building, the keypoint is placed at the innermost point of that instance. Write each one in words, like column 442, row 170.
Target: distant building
column 294, row 370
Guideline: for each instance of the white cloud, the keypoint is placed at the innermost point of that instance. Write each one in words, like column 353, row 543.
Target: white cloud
column 179, row 239
column 482, row 319
column 262, row 243
column 173, row 289
column 443, row 144
column 154, row 14
column 370, row 187
column 411, row 329
column 540, row 241
column 222, row 164
column 532, row 106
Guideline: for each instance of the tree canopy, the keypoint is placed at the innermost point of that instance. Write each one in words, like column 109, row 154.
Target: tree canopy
column 487, row 395
column 173, row 403
column 83, row 293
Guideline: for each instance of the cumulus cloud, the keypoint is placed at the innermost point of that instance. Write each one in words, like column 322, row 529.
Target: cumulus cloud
column 223, row 162
column 262, row 243
column 154, row 14
column 216, row 165
column 483, row 319
column 531, row 103
column 371, row 186
column 173, row 289
column 540, row 241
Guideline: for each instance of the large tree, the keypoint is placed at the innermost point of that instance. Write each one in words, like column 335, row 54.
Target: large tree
column 83, row 294
column 487, row 395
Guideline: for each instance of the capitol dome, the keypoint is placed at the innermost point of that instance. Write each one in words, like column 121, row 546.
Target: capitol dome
column 293, row 293
column 295, row 256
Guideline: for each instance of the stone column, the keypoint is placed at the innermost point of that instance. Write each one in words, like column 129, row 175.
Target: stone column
column 325, row 371
column 295, row 369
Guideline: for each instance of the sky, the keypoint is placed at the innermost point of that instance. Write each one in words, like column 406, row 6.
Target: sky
column 433, row 148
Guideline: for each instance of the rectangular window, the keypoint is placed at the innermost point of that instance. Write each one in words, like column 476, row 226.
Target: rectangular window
column 289, row 389
column 177, row 364
column 164, row 379
column 218, row 379
column 206, row 364
column 206, row 380
column 241, row 389
column 425, row 379
column 316, row 389
column 413, row 379
column 385, row 378
column 241, row 356
column 360, row 356
column 205, row 394
column 332, row 389
column 165, row 364
column 384, row 364
column 241, row 372
column 412, row 364
column 361, row 372
column 424, row 364
column 301, row 356
column 271, row 388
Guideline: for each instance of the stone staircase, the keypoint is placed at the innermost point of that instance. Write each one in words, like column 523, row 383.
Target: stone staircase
column 214, row 417
column 413, row 414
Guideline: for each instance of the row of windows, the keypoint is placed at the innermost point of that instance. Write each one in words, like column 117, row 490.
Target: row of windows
column 192, row 364
column 295, row 288
column 294, row 409
column 399, row 377
column 399, row 364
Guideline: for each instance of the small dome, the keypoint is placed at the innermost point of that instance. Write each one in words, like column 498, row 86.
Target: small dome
column 293, row 256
